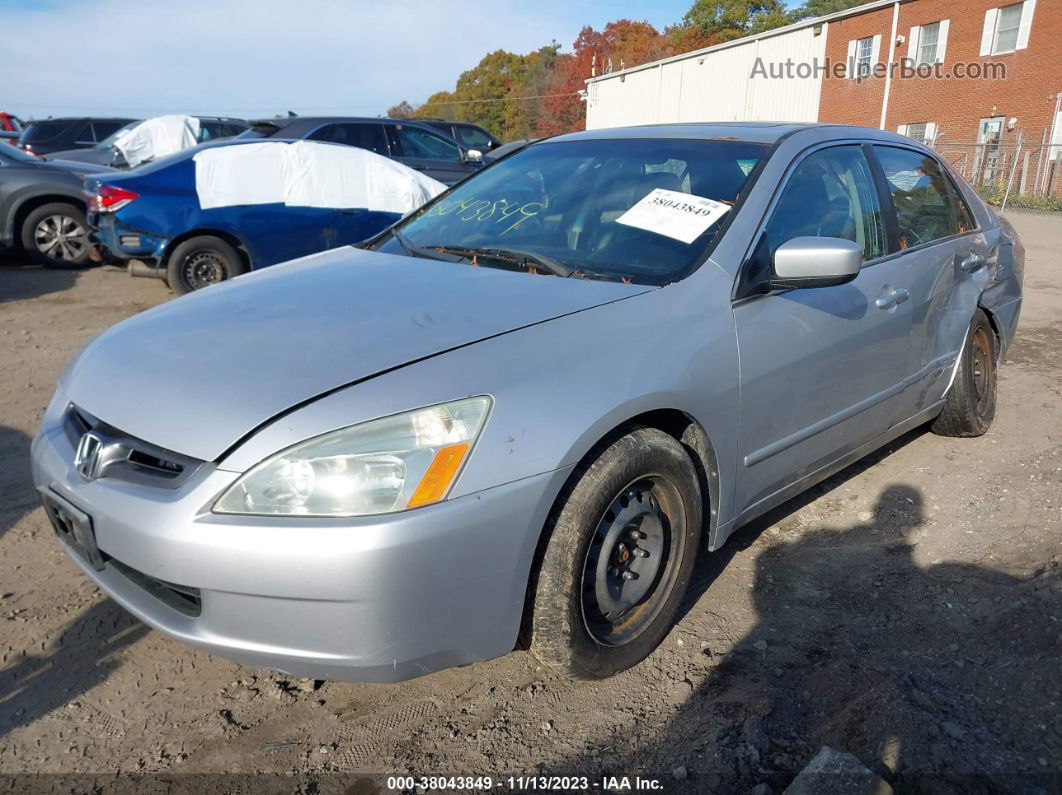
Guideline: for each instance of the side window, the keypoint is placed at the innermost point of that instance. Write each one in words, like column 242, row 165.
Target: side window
column 925, row 205
column 830, row 194
column 473, row 137
column 364, row 136
column 84, row 135
column 417, row 142
column 102, row 129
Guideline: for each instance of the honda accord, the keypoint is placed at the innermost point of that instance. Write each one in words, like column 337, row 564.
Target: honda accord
column 513, row 418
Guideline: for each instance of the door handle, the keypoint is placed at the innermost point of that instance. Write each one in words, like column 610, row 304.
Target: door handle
column 891, row 297
column 971, row 262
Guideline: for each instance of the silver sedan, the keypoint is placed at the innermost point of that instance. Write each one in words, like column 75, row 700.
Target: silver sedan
column 515, row 417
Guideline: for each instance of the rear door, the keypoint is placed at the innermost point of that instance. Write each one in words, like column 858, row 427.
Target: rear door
column 944, row 256
column 821, row 368
column 420, row 148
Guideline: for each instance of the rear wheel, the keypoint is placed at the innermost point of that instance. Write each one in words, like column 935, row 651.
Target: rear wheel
column 971, row 402
column 56, row 235
column 619, row 558
column 201, row 262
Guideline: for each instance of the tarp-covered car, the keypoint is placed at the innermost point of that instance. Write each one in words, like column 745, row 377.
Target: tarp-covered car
column 203, row 216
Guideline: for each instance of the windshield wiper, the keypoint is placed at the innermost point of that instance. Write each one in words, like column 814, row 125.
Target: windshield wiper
column 423, row 252
column 518, row 257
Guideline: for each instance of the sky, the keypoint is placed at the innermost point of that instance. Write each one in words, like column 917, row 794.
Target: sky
column 254, row 58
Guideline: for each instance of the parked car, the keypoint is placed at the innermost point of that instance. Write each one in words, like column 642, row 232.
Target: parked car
column 56, row 135
column 411, row 143
column 519, row 412
column 42, row 208
column 471, row 135
column 10, row 128
column 208, row 214
column 211, row 128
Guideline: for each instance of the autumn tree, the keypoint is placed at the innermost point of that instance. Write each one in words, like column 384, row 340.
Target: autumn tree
column 403, row 110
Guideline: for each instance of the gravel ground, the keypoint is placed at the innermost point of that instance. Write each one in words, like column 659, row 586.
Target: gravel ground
column 906, row 611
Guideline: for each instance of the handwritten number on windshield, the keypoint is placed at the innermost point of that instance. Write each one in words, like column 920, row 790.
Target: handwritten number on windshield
column 500, row 211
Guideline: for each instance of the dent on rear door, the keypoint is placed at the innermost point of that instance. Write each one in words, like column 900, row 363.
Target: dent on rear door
column 946, row 298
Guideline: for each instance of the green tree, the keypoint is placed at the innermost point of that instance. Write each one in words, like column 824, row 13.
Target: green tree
column 403, row 110
column 732, row 19
column 820, row 8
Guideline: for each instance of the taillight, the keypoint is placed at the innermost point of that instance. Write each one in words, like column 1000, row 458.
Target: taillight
column 109, row 199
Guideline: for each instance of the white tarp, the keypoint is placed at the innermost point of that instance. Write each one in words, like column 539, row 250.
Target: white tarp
column 308, row 174
column 157, row 137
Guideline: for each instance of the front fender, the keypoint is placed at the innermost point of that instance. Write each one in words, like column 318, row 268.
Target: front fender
column 559, row 387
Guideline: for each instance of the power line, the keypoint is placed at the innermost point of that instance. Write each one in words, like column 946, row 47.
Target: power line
column 109, row 108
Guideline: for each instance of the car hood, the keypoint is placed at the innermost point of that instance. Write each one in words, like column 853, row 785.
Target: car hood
column 197, row 374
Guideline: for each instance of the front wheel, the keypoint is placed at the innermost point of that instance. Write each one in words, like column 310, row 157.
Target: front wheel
column 619, row 559
column 200, row 262
column 56, row 234
column 971, row 402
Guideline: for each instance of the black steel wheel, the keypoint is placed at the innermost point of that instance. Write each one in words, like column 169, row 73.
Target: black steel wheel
column 971, row 402
column 630, row 561
column 201, row 262
column 622, row 542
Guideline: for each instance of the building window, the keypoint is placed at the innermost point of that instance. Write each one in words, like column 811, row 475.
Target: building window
column 927, row 46
column 1007, row 23
column 924, row 132
column 864, row 48
column 1007, row 29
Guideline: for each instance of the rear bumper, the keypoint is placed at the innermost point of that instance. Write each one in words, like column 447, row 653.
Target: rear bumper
column 123, row 242
column 376, row 599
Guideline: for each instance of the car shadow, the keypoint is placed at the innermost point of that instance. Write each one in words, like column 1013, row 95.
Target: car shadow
column 84, row 655
column 938, row 676
column 21, row 278
column 17, row 495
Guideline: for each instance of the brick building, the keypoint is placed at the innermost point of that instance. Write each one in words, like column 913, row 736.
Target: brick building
column 968, row 77
column 989, row 73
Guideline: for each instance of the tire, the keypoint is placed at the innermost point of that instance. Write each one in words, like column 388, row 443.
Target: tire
column 586, row 617
column 971, row 402
column 201, row 261
column 56, row 235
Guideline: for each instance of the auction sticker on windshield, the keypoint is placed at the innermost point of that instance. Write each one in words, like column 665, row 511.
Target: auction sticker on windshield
column 678, row 215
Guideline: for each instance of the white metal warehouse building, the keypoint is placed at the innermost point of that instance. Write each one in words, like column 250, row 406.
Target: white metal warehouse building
column 714, row 84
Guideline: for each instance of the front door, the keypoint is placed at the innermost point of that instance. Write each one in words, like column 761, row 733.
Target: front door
column 438, row 157
column 821, row 368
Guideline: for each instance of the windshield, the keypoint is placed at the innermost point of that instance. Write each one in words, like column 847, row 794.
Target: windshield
column 43, row 131
column 642, row 211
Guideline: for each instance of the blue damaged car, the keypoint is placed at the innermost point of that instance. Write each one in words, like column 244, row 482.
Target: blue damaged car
column 214, row 212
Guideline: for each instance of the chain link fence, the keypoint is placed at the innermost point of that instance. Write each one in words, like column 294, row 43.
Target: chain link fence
column 1015, row 176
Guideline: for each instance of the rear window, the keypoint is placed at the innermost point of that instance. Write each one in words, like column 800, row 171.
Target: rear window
column 40, row 132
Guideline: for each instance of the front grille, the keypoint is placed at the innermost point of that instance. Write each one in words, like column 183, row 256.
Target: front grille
column 125, row 457
column 183, row 599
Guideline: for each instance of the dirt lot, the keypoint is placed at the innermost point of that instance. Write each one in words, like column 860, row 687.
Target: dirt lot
column 906, row 611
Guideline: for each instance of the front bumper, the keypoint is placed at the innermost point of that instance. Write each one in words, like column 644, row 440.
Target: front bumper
column 372, row 599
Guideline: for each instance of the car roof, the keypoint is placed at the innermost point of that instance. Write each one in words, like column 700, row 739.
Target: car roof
column 81, row 118
column 752, row 132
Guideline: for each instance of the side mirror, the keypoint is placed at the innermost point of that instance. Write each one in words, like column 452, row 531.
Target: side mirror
column 473, row 156
column 816, row 262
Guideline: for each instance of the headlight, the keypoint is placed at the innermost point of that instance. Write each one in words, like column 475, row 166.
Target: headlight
column 390, row 464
